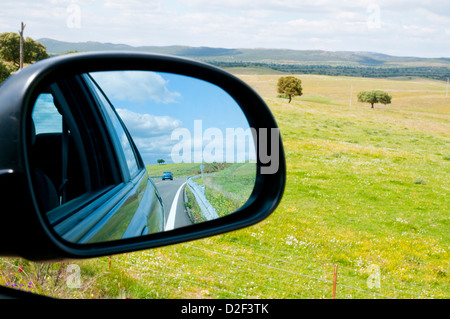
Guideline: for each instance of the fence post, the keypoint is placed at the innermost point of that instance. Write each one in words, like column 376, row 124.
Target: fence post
column 334, row 280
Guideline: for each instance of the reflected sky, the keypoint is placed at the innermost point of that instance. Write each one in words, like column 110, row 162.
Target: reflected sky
column 153, row 105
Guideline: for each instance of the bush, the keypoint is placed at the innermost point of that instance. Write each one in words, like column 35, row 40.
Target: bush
column 5, row 71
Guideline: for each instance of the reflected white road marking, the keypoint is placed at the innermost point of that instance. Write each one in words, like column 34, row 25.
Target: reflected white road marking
column 173, row 210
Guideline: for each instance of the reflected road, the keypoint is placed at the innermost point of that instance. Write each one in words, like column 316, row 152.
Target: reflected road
column 172, row 195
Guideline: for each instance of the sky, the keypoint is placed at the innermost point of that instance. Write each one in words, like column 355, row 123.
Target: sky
column 418, row 28
column 172, row 117
column 177, row 118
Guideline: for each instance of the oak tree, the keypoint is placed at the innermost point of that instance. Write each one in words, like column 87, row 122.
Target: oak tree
column 374, row 97
column 5, row 71
column 10, row 49
column 290, row 86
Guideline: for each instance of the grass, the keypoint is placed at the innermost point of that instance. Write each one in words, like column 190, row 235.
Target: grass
column 193, row 209
column 178, row 170
column 360, row 177
column 366, row 189
column 185, row 169
column 229, row 189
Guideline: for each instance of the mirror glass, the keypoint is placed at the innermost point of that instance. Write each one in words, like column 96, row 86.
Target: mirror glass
column 186, row 156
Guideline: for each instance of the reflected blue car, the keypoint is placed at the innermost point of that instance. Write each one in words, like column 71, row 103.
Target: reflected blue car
column 167, row 175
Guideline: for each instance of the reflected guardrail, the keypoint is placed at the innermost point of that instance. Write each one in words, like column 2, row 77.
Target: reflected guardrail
column 208, row 211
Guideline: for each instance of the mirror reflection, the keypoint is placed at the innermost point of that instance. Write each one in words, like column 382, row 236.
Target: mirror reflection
column 121, row 154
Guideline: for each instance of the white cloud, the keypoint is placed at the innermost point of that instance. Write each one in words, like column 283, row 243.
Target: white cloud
column 243, row 24
column 212, row 145
column 419, row 30
column 133, row 5
column 150, row 133
column 272, row 5
column 147, row 125
column 154, row 148
column 135, row 86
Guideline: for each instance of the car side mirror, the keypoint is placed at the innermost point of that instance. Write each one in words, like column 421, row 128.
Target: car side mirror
column 105, row 153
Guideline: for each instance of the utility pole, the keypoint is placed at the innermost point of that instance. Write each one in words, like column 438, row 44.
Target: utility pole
column 22, row 27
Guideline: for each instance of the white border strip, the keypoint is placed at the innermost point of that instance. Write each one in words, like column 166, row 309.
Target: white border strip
column 173, row 210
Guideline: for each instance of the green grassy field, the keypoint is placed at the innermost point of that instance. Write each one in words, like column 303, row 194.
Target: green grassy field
column 367, row 190
column 229, row 189
column 185, row 169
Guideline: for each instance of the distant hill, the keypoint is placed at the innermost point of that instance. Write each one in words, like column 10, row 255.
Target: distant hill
column 59, row 47
column 286, row 56
column 368, row 64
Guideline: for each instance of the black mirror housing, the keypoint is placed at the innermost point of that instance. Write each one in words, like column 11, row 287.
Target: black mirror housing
column 27, row 233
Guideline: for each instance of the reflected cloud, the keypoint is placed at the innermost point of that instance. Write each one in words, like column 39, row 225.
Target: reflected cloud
column 148, row 125
column 135, row 86
column 150, row 133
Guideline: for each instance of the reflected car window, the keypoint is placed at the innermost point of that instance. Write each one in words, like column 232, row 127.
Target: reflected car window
column 45, row 116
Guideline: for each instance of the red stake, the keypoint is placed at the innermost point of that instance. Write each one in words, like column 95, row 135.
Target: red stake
column 334, row 280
